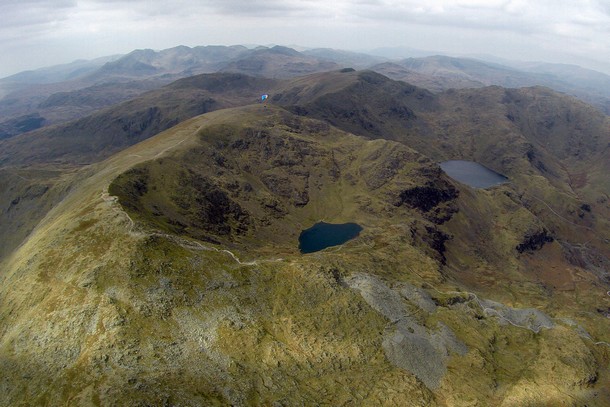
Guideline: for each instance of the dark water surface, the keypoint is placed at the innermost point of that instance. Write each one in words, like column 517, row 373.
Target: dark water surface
column 323, row 235
column 472, row 174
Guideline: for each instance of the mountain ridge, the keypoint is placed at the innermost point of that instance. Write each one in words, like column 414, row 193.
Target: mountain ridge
column 24, row 106
column 363, row 103
column 173, row 306
column 150, row 250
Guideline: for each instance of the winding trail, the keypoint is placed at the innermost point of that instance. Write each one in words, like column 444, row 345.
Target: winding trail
column 560, row 216
column 491, row 311
column 602, row 238
column 169, row 148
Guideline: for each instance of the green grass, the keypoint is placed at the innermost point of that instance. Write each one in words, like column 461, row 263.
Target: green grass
column 100, row 311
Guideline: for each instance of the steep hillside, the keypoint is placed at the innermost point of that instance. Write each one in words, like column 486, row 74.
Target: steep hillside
column 66, row 92
column 57, row 73
column 468, row 123
column 99, row 135
column 36, row 160
column 362, row 102
column 16, row 84
column 427, row 80
column 129, row 76
column 26, row 196
column 64, row 101
column 180, row 60
column 551, row 146
column 170, row 274
column 58, row 94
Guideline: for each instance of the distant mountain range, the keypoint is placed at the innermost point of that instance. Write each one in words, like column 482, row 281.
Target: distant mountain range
column 34, row 99
column 439, row 73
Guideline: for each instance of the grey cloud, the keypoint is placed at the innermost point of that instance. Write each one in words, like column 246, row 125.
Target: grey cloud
column 17, row 13
column 258, row 7
column 603, row 6
column 523, row 25
column 515, row 16
column 465, row 18
column 222, row 7
column 8, row 4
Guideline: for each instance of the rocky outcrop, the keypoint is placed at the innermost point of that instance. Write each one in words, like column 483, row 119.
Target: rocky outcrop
column 530, row 318
column 426, row 197
column 286, row 163
column 534, row 241
column 435, row 200
column 284, row 187
column 406, row 343
column 383, row 164
column 431, row 238
column 196, row 206
column 209, row 207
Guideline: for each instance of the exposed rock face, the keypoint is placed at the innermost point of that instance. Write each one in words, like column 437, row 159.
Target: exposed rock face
column 589, row 258
column 534, row 241
column 383, row 164
column 435, row 199
column 426, row 197
column 529, row 318
column 406, row 343
column 284, row 187
column 196, row 206
column 431, row 238
column 418, row 297
column 286, row 173
column 209, row 206
column 436, row 240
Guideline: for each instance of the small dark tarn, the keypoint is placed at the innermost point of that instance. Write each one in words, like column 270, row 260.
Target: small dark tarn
column 472, row 174
column 323, row 235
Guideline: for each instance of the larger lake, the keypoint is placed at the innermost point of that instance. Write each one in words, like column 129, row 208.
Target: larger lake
column 472, row 174
column 323, row 235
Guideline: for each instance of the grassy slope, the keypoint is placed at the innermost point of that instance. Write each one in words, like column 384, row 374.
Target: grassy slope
column 106, row 132
column 551, row 146
column 97, row 310
column 504, row 129
column 26, row 195
column 37, row 168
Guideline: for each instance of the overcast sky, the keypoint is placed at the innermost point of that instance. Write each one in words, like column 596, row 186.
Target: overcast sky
column 36, row 33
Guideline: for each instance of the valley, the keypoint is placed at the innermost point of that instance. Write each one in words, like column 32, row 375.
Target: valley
column 150, row 250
